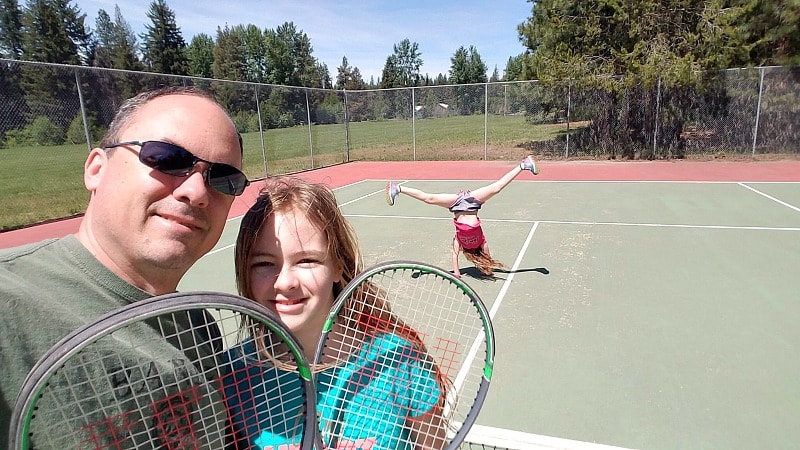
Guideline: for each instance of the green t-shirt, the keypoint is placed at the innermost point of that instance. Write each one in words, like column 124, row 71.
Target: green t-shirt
column 50, row 289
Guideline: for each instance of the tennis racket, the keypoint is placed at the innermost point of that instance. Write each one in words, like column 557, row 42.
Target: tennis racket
column 169, row 372
column 404, row 360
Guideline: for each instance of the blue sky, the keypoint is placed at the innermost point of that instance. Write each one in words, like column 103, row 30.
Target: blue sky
column 364, row 31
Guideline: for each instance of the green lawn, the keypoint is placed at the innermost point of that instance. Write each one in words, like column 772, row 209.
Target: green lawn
column 45, row 182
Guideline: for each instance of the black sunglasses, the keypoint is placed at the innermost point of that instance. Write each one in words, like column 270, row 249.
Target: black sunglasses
column 177, row 161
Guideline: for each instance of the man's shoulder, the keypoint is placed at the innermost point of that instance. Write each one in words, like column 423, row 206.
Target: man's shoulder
column 21, row 251
column 33, row 267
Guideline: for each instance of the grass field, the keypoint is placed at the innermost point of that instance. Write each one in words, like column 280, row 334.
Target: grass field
column 41, row 183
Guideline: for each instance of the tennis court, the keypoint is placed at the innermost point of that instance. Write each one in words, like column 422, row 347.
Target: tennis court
column 657, row 310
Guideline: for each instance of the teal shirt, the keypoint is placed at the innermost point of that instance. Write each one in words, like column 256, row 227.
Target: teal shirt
column 367, row 401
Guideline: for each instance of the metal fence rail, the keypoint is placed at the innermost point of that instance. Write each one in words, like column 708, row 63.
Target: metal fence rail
column 52, row 114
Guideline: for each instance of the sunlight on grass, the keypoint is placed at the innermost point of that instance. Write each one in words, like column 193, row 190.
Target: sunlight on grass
column 46, row 182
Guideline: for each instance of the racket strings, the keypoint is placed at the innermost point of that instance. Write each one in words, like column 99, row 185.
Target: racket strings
column 431, row 324
column 262, row 371
column 160, row 383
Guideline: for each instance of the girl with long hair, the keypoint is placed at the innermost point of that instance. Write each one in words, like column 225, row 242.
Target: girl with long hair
column 295, row 253
column 464, row 205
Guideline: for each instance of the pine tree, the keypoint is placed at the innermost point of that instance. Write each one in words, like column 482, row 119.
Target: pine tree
column 125, row 48
column 10, row 30
column 200, row 56
column 53, row 31
column 349, row 77
column 163, row 46
column 402, row 66
column 467, row 67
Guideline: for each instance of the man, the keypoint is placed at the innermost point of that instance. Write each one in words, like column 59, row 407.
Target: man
column 162, row 183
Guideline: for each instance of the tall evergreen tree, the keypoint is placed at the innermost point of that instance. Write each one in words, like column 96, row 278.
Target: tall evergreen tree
column 116, row 45
column 163, row 46
column 253, row 51
column 228, row 56
column 54, row 31
column 636, row 46
column 641, row 39
column 349, row 77
column 513, row 71
column 126, row 47
column 116, row 48
column 467, row 67
column 290, row 59
column 200, row 56
column 390, row 76
column 104, row 39
column 771, row 32
column 402, row 66
column 10, row 30
column 229, row 64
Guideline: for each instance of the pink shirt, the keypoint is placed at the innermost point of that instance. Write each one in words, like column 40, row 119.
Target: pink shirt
column 469, row 236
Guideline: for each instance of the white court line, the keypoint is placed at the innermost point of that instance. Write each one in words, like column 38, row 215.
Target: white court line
column 503, row 438
column 769, row 197
column 462, row 374
column 578, row 222
column 590, row 181
column 501, row 295
column 495, row 306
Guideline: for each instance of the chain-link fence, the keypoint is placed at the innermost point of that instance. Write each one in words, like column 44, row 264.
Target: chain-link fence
column 53, row 114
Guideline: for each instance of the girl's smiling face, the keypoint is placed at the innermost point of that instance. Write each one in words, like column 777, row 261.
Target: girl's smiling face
column 292, row 273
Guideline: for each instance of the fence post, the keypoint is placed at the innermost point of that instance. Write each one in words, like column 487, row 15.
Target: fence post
column 413, row 124
column 655, row 124
column 310, row 135
column 505, row 99
column 485, row 121
column 83, row 112
column 758, row 110
column 261, row 133
column 346, row 128
column 569, row 107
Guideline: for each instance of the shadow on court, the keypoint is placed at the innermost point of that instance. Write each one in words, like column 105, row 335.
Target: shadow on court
column 475, row 273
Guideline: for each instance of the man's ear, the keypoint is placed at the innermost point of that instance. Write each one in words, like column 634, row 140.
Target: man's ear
column 93, row 168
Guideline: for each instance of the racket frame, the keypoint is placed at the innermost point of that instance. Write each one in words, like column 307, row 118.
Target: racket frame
column 43, row 370
column 480, row 308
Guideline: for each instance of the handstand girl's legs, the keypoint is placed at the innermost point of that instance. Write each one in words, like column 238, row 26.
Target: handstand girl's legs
column 443, row 200
column 481, row 194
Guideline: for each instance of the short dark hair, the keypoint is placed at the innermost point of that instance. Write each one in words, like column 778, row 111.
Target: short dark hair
column 130, row 106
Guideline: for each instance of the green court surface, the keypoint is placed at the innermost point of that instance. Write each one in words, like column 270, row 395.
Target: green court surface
column 650, row 315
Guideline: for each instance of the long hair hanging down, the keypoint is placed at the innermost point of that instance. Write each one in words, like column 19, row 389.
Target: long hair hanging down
column 483, row 261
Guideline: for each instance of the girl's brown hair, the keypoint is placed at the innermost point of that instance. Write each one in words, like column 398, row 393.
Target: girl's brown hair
column 483, row 261
column 367, row 307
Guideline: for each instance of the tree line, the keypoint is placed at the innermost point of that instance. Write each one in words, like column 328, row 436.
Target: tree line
column 56, row 31
column 633, row 55
column 607, row 46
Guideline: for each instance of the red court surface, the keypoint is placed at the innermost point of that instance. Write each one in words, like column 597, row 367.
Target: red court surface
column 344, row 174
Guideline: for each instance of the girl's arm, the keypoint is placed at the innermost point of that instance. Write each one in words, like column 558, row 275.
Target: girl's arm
column 456, row 250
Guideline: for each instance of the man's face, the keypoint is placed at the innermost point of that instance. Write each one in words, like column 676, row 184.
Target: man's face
column 147, row 226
